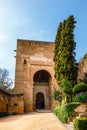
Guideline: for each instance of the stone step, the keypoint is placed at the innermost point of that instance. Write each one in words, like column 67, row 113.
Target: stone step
column 43, row 111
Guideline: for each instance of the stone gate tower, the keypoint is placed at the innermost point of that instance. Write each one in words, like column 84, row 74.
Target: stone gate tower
column 34, row 74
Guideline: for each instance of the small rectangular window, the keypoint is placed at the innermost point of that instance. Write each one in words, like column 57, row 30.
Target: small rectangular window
column 25, row 62
column 15, row 104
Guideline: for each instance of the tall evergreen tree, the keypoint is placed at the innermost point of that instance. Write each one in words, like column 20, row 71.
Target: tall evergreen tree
column 65, row 67
column 56, row 54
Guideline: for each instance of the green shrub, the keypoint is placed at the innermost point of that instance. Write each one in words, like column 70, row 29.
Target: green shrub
column 82, row 98
column 80, row 123
column 2, row 114
column 64, row 111
column 80, row 87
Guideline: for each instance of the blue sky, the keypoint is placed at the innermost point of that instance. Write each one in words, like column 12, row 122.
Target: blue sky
column 38, row 20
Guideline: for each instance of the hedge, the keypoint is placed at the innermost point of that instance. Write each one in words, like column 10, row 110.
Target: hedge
column 80, row 87
column 80, row 123
column 64, row 111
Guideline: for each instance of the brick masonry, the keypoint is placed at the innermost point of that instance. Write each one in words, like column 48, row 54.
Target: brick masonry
column 11, row 103
column 82, row 68
column 33, row 57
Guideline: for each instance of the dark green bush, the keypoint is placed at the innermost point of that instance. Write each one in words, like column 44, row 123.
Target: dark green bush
column 2, row 114
column 55, row 94
column 80, row 123
column 64, row 111
column 80, row 87
column 82, row 98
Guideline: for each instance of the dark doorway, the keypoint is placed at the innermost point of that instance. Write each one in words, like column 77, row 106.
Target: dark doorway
column 6, row 107
column 40, row 101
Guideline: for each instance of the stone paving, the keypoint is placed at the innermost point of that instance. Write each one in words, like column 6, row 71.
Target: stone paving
column 32, row 121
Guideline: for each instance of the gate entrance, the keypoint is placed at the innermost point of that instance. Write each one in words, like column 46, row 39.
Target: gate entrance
column 40, row 101
column 41, row 90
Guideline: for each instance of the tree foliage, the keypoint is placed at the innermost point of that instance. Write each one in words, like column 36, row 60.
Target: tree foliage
column 56, row 95
column 5, row 81
column 66, row 88
column 82, row 98
column 64, row 54
column 80, row 87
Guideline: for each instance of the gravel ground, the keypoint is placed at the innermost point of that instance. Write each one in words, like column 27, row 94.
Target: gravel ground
column 32, row 121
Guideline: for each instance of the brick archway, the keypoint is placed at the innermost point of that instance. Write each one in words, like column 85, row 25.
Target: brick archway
column 41, row 81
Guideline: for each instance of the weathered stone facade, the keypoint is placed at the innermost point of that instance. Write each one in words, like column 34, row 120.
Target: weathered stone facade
column 34, row 74
column 11, row 103
column 82, row 68
column 34, row 78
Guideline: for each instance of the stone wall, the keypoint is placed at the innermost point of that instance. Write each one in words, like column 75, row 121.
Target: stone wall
column 82, row 108
column 11, row 103
column 16, row 104
column 82, row 68
column 4, row 97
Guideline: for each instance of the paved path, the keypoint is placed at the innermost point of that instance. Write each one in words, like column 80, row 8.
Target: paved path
column 31, row 121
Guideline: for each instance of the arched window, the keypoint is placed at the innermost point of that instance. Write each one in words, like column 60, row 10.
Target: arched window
column 41, row 76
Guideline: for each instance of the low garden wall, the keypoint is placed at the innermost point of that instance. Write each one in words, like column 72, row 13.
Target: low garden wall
column 11, row 103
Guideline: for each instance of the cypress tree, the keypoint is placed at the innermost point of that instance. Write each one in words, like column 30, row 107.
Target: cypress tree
column 56, row 54
column 65, row 67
